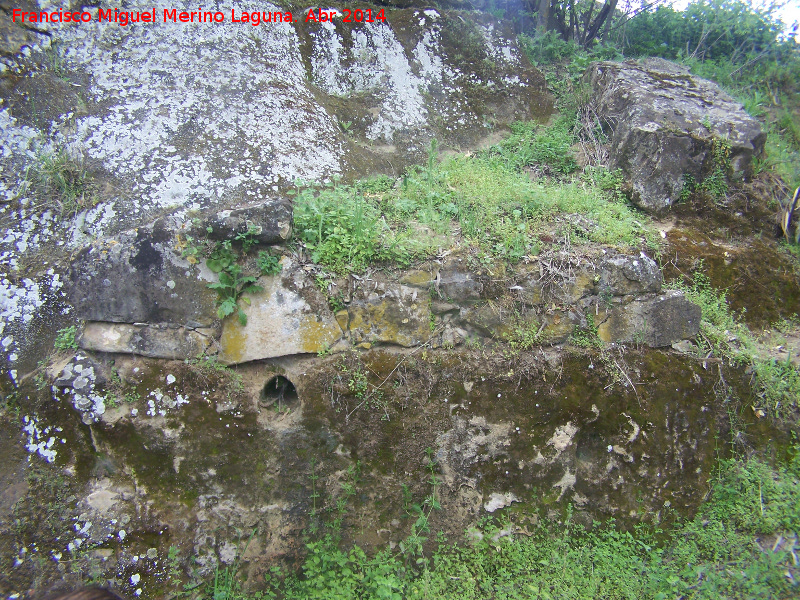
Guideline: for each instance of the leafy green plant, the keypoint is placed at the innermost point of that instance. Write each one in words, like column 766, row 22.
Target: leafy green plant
column 268, row 264
column 344, row 229
column 222, row 257
column 231, row 288
column 65, row 339
column 523, row 334
column 716, row 183
column 248, row 237
column 586, row 337
column 549, row 148
column 232, row 284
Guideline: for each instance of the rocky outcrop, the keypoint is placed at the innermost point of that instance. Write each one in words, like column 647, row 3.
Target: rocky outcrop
column 443, row 305
column 664, row 121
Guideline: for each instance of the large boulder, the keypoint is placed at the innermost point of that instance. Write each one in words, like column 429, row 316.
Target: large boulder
column 664, row 122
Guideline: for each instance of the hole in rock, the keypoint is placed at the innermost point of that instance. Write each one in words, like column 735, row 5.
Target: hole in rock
column 279, row 392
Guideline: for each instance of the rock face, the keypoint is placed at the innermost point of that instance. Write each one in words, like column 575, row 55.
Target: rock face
column 140, row 277
column 664, row 121
column 655, row 320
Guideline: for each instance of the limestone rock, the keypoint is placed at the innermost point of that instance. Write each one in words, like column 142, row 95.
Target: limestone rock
column 270, row 222
column 140, row 277
column 656, row 320
column 458, row 286
column 621, row 275
column 664, row 121
column 280, row 322
column 396, row 315
column 145, row 340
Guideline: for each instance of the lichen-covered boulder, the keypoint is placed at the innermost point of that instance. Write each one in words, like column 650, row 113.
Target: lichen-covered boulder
column 664, row 122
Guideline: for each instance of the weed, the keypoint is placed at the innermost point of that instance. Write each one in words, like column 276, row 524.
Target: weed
column 777, row 382
column 247, row 238
column 529, row 145
column 524, row 334
column 61, row 180
column 711, row 556
column 268, row 264
column 344, row 230
column 208, row 367
column 586, row 337
column 496, row 205
column 132, row 397
column 716, row 183
column 65, row 339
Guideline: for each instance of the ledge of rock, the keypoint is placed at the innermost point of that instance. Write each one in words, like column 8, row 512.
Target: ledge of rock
column 145, row 340
column 664, row 120
column 269, row 222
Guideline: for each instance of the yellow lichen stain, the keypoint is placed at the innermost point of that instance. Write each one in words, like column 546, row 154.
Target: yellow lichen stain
column 343, row 318
column 417, row 278
column 233, row 341
column 316, row 336
column 584, row 284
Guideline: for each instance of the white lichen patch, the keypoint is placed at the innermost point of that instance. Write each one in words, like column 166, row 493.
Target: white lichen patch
column 159, row 403
column 497, row 501
column 188, row 114
column 19, row 304
column 41, row 441
column 562, row 437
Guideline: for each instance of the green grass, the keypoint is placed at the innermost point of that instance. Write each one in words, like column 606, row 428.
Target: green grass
column 61, row 181
column 494, row 203
column 777, row 383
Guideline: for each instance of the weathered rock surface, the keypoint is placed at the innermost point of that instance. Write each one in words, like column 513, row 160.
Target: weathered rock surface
column 391, row 314
column 14, row 35
column 140, row 277
column 622, row 275
column 655, row 320
column 280, row 322
column 267, row 223
column 664, row 121
column 155, row 341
